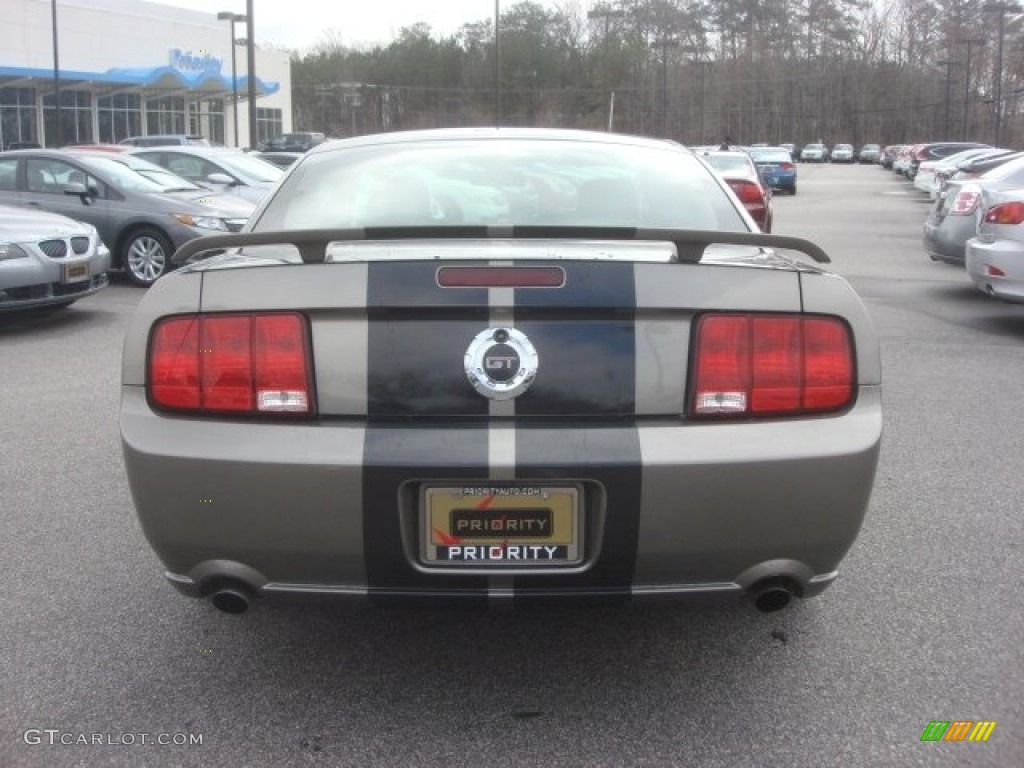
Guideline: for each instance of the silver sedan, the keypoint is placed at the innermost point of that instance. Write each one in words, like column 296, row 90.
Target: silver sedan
column 218, row 168
column 48, row 260
column 995, row 258
column 494, row 365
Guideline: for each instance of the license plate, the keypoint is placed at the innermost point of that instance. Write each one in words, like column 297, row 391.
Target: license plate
column 75, row 273
column 501, row 524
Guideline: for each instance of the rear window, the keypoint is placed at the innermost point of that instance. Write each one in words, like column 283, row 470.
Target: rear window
column 725, row 163
column 501, row 182
column 771, row 156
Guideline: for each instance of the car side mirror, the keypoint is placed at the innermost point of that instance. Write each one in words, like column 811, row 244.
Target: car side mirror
column 221, row 178
column 78, row 188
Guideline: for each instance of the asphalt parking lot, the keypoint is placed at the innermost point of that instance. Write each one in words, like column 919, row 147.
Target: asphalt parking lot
column 924, row 623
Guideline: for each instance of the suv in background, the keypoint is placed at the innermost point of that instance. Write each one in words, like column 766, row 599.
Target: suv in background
column 165, row 140
column 869, row 153
column 293, row 142
column 841, row 153
column 815, row 152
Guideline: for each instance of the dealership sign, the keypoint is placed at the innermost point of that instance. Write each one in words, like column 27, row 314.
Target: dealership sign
column 203, row 61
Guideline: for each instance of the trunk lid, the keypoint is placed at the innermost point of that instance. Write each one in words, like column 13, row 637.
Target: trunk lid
column 612, row 342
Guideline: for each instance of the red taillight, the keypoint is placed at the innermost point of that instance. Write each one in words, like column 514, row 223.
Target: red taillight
column 786, row 166
column 746, row 191
column 251, row 363
column 1006, row 213
column 771, row 365
column 965, row 202
column 174, row 363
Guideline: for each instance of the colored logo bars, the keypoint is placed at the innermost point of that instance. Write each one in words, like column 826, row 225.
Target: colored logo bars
column 958, row 730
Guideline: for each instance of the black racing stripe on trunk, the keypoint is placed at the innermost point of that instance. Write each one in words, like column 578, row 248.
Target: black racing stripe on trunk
column 415, row 371
column 400, row 284
column 585, row 338
column 611, row 459
column 418, row 336
column 588, row 284
column 587, row 366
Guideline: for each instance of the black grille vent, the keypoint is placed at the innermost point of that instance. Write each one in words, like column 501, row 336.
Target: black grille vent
column 80, row 245
column 55, row 249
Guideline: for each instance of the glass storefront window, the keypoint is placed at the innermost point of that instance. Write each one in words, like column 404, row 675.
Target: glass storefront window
column 120, row 116
column 206, row 118
column 17, row 115
column 75, row 118
column 269, row 123
column 165, row 114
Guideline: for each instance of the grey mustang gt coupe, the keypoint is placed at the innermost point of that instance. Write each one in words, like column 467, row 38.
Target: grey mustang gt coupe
column 495, row 365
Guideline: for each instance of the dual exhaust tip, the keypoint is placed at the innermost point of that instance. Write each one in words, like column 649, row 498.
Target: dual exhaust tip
column 773, row 593
column 230, row 596
column 769, row 595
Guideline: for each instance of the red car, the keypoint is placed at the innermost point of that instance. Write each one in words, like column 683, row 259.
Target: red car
column 740, row 173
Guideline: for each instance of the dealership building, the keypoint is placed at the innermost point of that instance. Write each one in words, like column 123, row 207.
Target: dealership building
column 134, row 68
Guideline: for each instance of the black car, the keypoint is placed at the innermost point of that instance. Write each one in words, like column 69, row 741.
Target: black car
column 23, row 145
column 293, row 142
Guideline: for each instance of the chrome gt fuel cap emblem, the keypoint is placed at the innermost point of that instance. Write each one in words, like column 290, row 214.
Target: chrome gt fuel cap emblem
column 501, row 363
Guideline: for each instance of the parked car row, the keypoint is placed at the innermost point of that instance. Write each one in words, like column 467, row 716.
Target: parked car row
column 977, row 219
column 818, row 152
column 141, row 211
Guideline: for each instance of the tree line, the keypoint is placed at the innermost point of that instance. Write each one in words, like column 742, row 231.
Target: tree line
column 694, row 71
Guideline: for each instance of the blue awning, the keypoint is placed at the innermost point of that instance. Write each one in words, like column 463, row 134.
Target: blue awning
column 158, row 78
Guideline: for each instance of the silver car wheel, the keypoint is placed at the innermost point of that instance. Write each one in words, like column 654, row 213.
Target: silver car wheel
column 147, row 258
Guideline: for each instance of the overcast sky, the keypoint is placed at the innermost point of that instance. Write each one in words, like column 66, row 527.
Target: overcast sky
column 303, row 23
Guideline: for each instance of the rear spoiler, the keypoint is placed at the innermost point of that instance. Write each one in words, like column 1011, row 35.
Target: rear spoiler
column 312, row 243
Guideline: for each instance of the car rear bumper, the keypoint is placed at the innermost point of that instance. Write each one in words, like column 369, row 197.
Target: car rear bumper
column 781, row 181
column 946, row 240
column 28, row 295
column 672, row 509
column 1007, row 256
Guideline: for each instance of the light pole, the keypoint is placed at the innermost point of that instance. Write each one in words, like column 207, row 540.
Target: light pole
column 665, row 43
column 1002, row 8
column 233, row 18
column 56, row 79
column 497, row 63
column 250, row 55
column 607, row 13
column 967, row 79
column 948, row 64
column 704, row 67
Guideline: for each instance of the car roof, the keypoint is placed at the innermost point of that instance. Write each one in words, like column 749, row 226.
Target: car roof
column 189, row 149
column 492, row 134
